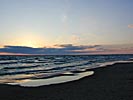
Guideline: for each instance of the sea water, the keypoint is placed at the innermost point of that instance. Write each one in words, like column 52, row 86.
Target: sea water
column 51, row 69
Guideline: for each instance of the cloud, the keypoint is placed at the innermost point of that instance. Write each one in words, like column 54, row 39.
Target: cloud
column 72, row 47
column 61, row 49
column 130, row 26
column 67, row 49
column 20, row 49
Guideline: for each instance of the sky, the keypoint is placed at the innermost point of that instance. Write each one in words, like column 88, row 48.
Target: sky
column 66, row 26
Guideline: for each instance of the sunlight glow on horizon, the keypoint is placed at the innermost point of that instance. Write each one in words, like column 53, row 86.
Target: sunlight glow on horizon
column 46, row 23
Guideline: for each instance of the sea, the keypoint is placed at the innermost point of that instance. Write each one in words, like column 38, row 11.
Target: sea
column 37, row 70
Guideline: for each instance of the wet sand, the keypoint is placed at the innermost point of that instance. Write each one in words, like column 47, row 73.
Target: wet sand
column 114, row 82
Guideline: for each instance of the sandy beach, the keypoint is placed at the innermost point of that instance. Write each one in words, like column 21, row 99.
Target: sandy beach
column 114, row 82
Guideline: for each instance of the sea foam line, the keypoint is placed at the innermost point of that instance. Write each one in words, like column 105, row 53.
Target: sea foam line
column 63, row 79
column 55, row 80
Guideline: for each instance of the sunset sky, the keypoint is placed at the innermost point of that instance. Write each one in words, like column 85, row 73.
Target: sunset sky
column 66, row 26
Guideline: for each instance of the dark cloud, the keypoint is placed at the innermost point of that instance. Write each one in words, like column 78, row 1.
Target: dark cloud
column 20, row 49
column 63, row 49
column 72, row 47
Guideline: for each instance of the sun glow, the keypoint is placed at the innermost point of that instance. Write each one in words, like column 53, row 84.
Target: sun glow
column 30, row 43
column 30, row 40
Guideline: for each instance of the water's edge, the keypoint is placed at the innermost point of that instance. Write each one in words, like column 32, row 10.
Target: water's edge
column 64, row 78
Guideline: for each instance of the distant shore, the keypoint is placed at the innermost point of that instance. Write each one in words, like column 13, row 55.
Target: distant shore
column 114, row 82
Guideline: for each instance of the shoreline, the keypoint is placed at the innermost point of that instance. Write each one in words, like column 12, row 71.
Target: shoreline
column 64, row 77
column 113, row 82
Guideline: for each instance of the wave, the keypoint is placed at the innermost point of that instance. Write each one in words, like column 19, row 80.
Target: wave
column 27, row 68
column 55, row 80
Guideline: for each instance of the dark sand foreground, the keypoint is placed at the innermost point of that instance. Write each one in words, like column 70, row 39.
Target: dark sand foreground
column 108, row 83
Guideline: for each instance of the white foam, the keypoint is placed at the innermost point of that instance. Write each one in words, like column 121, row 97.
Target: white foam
column 107, row 63
column 130, row 58
column 68, row 73
column 114, row 62
column 55, row 80
column 63, row 79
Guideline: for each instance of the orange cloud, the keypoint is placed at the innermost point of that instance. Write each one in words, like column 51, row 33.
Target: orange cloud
column 6, row 53
column 130, row 26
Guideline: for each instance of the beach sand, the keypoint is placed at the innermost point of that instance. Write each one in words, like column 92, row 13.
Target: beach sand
column 114, row 82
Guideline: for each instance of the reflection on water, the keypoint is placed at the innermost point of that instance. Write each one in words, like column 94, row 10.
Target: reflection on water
column 18, row 69
column 55, row 80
